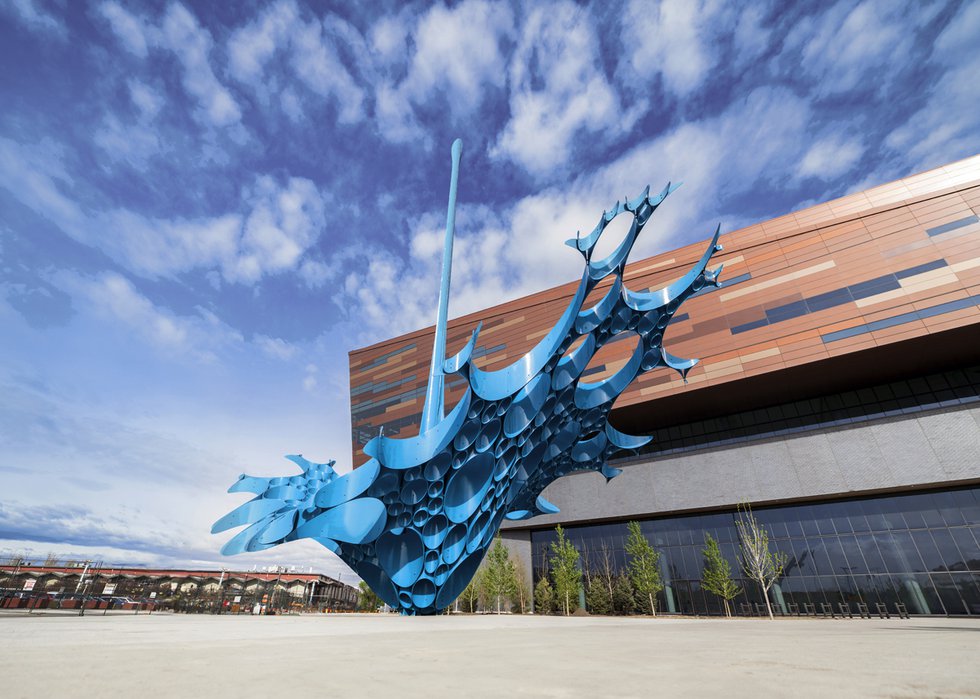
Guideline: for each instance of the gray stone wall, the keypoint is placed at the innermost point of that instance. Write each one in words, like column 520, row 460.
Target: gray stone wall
column 917, row 450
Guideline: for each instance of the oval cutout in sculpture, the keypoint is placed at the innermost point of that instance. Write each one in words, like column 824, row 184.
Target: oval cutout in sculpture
column 435, row 489
column 467, row 487
column 400, row 556
column 476, row 532
column 420, row 517
column 526, row 405
column 452, row 548
column 424, row 593
column 348, row 486
column 487, row 436
column 614, row 232
column 435, row 505
column 438, row 467
column 435, row 531
column 414, row 491
column 466, row 435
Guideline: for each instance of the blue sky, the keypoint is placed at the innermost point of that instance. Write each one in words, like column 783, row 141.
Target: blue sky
column 203, row 208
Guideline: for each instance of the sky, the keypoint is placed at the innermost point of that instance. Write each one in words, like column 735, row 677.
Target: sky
column 205, row 207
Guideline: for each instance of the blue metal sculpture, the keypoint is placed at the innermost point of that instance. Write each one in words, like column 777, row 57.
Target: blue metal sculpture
column 416, row 520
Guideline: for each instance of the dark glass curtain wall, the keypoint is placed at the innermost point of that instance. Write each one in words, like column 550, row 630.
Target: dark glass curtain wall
column 920, row 549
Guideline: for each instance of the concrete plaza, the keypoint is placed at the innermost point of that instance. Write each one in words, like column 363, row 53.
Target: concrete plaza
column 170, row 655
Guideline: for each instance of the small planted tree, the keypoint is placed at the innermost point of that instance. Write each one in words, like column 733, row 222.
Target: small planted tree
column 544, row 597
column 623, row 598
column 643, row 567
column 717, row 575
column 597, row 597
column 367, row 600
column 522, row 588
column 499, row 577
column 470, row 596
column 565, row 571
column 758, row 562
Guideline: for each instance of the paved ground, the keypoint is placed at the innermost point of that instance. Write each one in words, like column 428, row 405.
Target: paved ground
column 394, row 657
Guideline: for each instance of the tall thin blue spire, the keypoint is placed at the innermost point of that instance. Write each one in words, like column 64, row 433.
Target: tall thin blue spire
column 433, row 411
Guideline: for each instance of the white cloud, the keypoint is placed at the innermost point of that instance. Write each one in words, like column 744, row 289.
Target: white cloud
column 845, row 45
column 136, row 141
column 677, row 40
column 275, row 347
column 182, row 35
column 112, row 296
column 558, row 91
column 458, row 53
column 831, row 157
column 33, row 17
column 191, row 44
column 945, row 128
column 148, row 101
column 283, row 224
column 280, row 29
column 315, row 273
column 253, row 46
column 309, row 379
column 389, row 38
column 282, row 221
column 131, row 30
column 316, row 64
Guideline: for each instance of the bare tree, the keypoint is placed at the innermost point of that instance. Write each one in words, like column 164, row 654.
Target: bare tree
column 758, row 562
column 522, row 588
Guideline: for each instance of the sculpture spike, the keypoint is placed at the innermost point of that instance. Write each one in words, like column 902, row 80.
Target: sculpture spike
column 433, row 411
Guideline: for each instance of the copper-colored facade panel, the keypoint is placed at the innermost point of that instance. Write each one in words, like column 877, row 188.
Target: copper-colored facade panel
column 866, row 271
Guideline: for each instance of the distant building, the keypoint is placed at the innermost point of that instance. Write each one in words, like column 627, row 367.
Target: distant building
column 838, row 393
column 190, row 590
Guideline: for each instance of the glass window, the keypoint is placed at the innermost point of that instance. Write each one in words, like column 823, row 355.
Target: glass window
column 966, row 585
column 891, row 509
column 873, row 510
column 950, row 509
column 839, row 515
column 811, row 584
column 838, row 563
column 806, row 519
column 912, row 507
column 965, row 539
column 929, row 511
column 951, row 557
column 968, row 505
column 799, row 561
column 859, row 523
column 831, row 592
column 918, row 595
column 949, row 593
column 852, row 552
column 818, row 554
column 822, row 515
column 932, row 560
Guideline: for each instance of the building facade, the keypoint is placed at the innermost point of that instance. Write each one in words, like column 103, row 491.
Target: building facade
column 838, row 394
column 72, row 584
